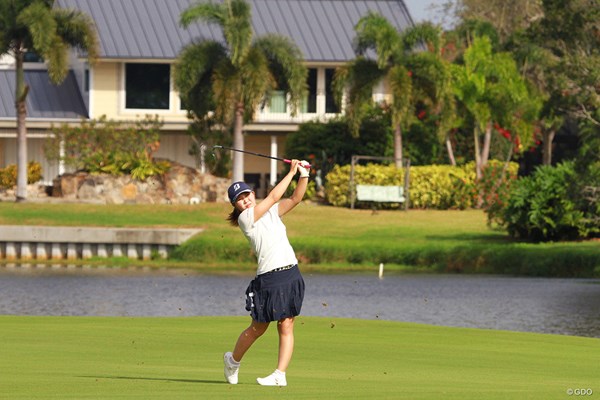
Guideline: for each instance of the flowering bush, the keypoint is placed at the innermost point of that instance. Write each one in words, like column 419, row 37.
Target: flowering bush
column 8, row 175
column 106, row 146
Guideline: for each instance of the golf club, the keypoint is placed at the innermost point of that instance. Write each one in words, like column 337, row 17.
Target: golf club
column 285, row 160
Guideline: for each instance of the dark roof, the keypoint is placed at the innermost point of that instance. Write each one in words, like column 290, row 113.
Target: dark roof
column 149, row 29
column 45, row 100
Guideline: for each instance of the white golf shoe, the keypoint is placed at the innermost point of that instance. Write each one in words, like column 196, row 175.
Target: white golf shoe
column 277, row 378
column 231, row 368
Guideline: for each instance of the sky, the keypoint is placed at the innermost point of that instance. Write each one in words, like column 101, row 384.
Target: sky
column 420, row 10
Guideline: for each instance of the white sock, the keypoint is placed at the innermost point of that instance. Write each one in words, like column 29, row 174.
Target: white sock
column 236, row 363
column 280, row 373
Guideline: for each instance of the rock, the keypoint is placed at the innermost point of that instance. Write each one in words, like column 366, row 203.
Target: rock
column 180, row 185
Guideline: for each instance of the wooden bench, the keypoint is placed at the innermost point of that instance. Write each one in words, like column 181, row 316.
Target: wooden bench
column 380, row 194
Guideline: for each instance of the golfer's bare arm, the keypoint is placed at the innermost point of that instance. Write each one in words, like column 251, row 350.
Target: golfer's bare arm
column 277, row 192
column 286, row 205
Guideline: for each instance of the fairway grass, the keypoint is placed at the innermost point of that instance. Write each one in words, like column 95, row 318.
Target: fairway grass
column 181, row 358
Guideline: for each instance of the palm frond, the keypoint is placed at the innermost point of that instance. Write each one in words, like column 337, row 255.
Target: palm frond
column 227, row 88
column 57, row 58
column 423, row 34
column 401, row 86
column 285, row 63
column 193, row 73
column 258, row 80
column 78, row 30
column 233, row 17
column 358, row 78
column 238, row 29
column 375, row 32
column 205, row 12
column 41, row 25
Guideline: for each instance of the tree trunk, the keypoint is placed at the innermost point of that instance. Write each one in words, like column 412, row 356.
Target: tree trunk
column 487, row 140
column 398, row 146
column 548, row 138
column 238, row 143
column 450, row 151
column 478, row 168
column 21, row 108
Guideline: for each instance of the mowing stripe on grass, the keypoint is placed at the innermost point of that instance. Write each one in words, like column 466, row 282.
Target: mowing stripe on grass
column 181, row 358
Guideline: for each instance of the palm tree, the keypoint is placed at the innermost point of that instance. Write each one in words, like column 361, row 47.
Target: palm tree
column 35, row 26
column 396, row 55
column 232, row 78
column 492, row 91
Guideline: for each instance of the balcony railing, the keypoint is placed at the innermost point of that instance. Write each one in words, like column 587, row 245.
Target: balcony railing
column 277, row 110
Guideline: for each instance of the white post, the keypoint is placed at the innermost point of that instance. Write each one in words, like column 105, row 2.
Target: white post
column 273, row 171
column 56, row 252
column 146, row 252
column 26, row 251
column 381, row 271
column 132, row 251
column 117, row 250
column 162, row 251
column 71, row 251
column 86, row 252
column 40, row 251
column 61, row 162
column 102, row 252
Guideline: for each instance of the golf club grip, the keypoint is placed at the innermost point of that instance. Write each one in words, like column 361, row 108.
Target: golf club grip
column 285, row 160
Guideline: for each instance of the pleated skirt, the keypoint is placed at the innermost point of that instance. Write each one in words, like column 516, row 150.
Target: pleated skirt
column 275, row 295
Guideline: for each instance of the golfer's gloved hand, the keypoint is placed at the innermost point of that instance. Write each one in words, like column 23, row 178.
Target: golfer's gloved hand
column 304, row 169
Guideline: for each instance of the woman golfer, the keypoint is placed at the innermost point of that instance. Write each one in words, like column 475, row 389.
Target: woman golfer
column 277, row 292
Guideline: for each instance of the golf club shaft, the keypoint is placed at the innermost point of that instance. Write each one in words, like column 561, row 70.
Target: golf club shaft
column 285, row 160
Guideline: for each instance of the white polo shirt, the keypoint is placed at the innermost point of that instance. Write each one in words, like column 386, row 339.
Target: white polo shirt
column 268, row 238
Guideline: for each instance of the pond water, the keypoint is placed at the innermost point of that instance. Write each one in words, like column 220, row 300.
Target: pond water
column 545, row 305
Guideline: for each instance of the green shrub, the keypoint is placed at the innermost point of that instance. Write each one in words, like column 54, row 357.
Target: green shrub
column 495, row 185
column 8, row 175
column 542, row 207
column 112, row 147
column 431, row 187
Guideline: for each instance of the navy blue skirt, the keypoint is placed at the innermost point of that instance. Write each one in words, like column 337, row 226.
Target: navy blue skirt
column 275, row 295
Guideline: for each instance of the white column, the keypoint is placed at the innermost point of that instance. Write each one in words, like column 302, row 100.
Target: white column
column 61, row 162
column 321, row 91
column 132, row 251
column 11, row 251
column 26, row 251
column 86, row 252
column 146, row 252
column 102, row 252
column 56, row 252
column 162, row 251
column 71, row 251
column 40, row 251
column 117, row 251
column 273, row 171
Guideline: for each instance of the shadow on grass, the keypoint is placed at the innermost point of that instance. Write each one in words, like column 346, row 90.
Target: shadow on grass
column 142, row 378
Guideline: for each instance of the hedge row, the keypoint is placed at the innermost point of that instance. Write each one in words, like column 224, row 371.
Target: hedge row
column 432, row 186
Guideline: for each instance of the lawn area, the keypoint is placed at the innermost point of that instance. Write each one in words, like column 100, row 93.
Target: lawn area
column 181, row 358
column 331, row 238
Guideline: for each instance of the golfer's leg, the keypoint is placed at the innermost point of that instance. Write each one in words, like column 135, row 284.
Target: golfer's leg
column 248, row 337
column 285, row 327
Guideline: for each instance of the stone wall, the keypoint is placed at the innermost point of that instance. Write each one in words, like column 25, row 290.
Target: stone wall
column 181, row 185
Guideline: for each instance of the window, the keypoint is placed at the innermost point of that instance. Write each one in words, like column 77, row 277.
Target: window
column 86, row 80
column 147, row 86
column 309, row 104
column 31, row 57
column 278, row 101
column 331, row 106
